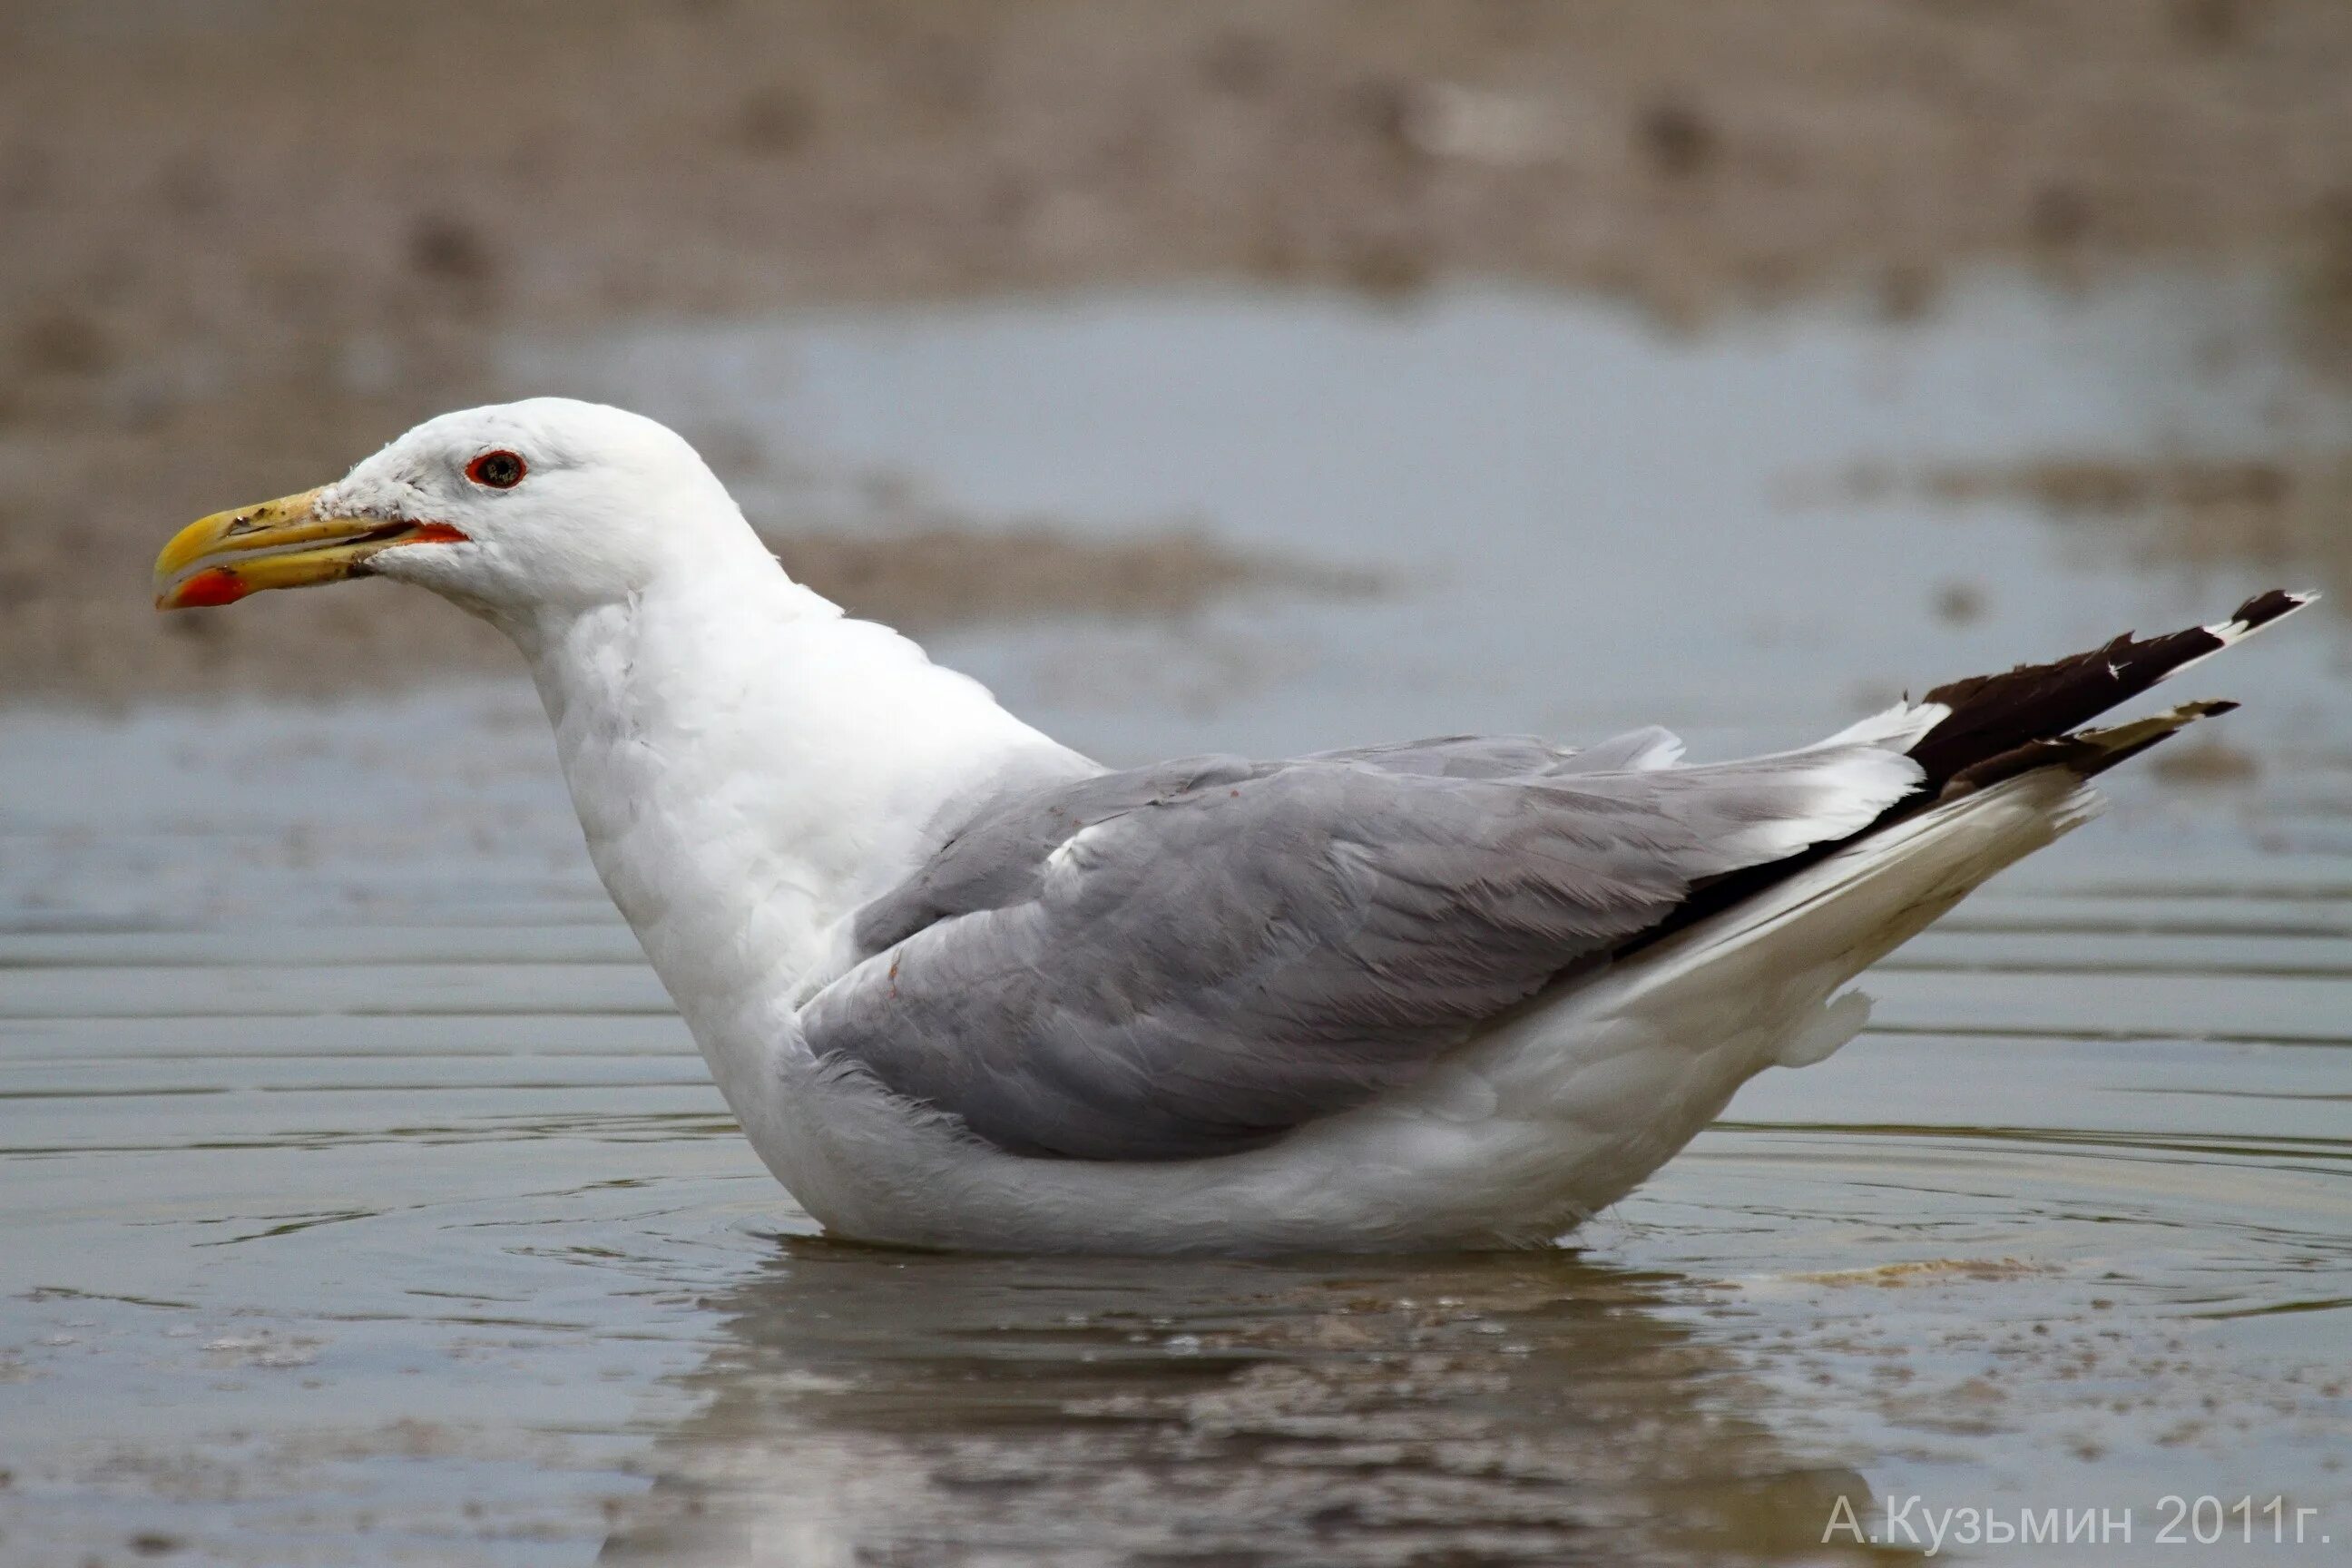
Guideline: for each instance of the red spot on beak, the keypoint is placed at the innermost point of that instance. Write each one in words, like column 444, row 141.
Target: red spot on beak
column 437, row 533
column 213, row 586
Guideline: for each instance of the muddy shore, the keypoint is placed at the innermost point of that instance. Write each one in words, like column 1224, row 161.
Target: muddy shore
column 244, row 241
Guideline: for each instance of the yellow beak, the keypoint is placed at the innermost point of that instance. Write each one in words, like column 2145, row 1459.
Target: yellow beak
column 281, row 544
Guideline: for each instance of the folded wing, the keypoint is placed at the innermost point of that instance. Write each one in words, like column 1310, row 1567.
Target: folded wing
column 1194, row 958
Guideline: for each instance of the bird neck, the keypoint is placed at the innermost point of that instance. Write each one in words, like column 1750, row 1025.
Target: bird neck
column 750, row 766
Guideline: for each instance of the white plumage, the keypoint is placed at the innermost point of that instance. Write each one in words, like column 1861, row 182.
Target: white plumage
column 758, row 775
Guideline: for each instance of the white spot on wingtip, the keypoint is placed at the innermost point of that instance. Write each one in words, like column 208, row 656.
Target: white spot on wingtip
column 2230, row 633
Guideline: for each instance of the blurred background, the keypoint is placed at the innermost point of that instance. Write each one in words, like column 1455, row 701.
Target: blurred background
column 246, row 242
column 1203, row 377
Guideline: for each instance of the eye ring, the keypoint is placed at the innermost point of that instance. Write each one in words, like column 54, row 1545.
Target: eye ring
column 498, row 470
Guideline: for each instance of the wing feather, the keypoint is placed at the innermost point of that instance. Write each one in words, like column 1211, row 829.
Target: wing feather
column 1191, row 959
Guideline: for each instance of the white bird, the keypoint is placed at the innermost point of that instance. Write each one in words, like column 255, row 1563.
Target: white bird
column 964, row 987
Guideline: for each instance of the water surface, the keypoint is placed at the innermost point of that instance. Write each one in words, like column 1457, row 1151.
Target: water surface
column 360, row 1199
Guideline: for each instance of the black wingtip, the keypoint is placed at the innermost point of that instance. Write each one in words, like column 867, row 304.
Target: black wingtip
column 2086, row 752
column 1993, row 715
column 2274, row 604
column 1999, row 726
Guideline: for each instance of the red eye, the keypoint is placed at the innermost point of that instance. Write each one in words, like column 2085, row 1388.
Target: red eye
column 500, row 471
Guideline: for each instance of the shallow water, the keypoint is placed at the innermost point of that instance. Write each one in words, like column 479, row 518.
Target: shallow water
column 360, row 1199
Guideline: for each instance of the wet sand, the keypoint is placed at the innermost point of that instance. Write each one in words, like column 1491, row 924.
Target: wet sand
column 244, row 241
column 2279, row 512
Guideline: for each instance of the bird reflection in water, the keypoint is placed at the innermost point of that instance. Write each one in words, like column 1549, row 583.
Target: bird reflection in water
column 872, row 1405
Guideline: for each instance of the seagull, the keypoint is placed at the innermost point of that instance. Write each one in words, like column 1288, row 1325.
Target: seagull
column 966, row 988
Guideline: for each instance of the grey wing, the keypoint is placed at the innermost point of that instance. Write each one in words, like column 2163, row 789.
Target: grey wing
column 1196, row 957
column 1514, row 757
column 996, row 857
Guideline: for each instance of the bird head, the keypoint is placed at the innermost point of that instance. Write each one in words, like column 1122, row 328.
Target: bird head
column 517, row 507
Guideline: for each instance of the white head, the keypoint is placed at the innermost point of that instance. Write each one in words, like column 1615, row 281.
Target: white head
column 509, row 510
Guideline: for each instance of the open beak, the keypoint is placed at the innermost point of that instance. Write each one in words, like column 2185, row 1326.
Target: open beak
column 281, row 544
